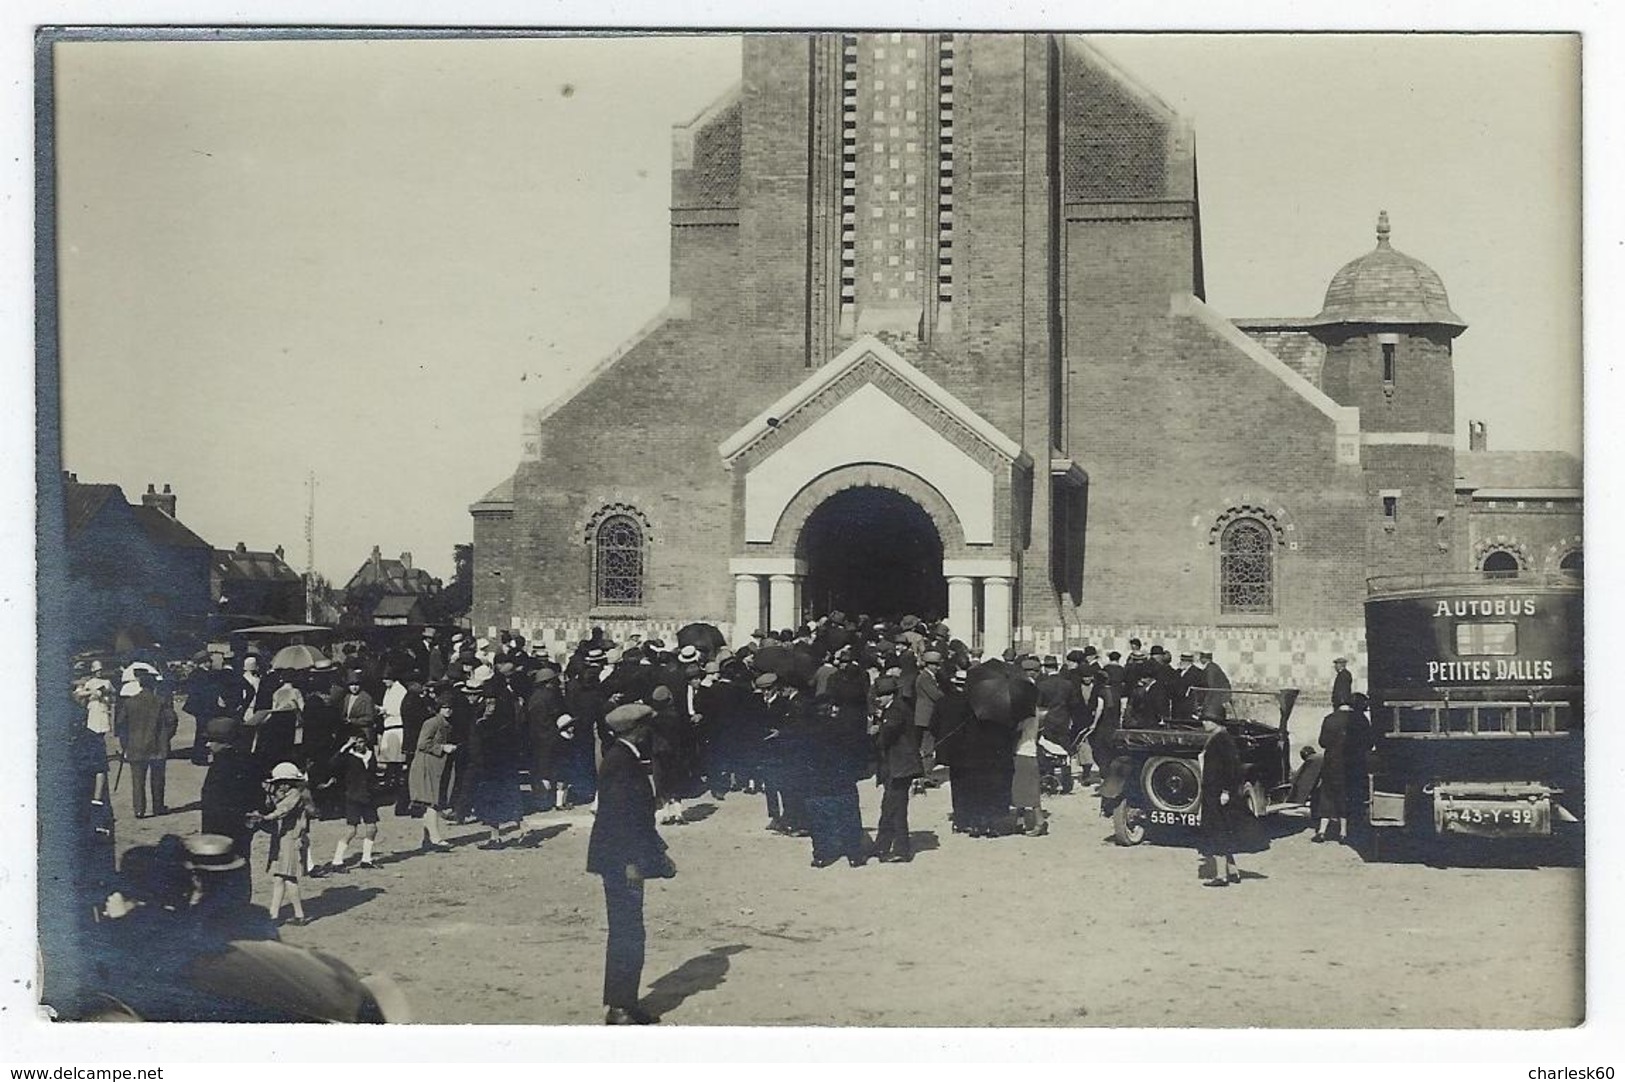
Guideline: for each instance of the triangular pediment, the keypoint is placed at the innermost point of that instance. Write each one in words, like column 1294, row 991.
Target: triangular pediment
column 830, row 384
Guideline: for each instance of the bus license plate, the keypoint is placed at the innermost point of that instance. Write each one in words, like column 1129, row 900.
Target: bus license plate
column 1494, row 819
column 1176, row 819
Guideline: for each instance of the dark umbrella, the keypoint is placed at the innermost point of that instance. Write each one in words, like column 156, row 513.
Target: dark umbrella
column 775, row 658
column 705, row 637
column 999, row 695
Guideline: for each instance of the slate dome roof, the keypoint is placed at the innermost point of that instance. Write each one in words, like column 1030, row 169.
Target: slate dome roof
column 1387, row 286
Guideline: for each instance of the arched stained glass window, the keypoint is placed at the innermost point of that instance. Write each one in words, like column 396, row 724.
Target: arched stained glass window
column 1246, row 569
column 1500, row 563
column 618, row 562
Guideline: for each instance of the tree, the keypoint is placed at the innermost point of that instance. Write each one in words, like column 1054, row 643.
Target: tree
column 452, row 603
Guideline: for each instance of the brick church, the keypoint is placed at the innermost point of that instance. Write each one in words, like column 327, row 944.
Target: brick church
column 937, row 344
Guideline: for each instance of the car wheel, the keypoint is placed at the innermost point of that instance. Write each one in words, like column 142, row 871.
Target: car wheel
column 1128, row 824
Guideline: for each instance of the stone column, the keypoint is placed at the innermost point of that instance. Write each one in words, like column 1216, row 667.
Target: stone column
column 784, row 595
column 995, row 615
column 747, row 607
column 962, row 608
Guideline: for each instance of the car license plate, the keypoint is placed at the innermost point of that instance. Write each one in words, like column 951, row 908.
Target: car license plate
column 1493, row 818
column 1176, row 819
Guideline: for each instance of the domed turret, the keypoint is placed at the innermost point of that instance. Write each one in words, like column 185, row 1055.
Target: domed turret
column 1386, row 286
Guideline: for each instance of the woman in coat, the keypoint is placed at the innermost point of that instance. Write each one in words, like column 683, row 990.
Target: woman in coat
column 1228, row 825
column 1334, row 773
column 548, row 748
column 427, row 773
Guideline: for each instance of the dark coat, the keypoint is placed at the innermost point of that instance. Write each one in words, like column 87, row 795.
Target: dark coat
column 623, row 829
column 1342, row 689
column 542, row 712
column 1215, row 701
column 1057, row 695
column 146, row 725
column 899, row 742
column 231, row 789
column 1227, row 828
column 1334, row 772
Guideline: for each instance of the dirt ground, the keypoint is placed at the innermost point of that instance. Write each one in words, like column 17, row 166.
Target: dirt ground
column 1063, row 930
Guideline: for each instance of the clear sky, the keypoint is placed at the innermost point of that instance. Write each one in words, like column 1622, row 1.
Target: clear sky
column 370, row 258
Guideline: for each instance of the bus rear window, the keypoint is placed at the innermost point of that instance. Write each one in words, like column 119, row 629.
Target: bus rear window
column 1477, row 640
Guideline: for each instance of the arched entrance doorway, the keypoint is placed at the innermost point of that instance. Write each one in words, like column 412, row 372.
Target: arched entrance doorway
column 872, row 550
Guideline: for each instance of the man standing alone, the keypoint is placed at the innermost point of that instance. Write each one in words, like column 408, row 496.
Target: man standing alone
column 625, row 849
column 1342, row 683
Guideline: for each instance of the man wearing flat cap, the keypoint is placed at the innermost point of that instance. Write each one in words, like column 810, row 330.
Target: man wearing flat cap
column 898, row 739
column 625, row 849
column 1342, row 683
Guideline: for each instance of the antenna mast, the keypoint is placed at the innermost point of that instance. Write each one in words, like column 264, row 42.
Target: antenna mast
column 310, row 549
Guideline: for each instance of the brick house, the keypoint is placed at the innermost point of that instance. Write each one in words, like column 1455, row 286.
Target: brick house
column 937, row 343
column 136, row 575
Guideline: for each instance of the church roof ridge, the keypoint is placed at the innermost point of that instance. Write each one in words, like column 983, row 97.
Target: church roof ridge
column 866, row 346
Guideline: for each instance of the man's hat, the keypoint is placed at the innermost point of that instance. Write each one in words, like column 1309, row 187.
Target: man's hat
column 957, row 677
column 689, row 655
column 354, row 676
column 546, row 673
column 661, row 694
column 692, row 670
column 1206, row 655
column 286, row 772
column 623, row 719
column 910, row 622
column 595, row 656
column 765, row 681
column 759, row 633
column 1090, row 651
column 1051, row 661
column 211, row 853
column 886, row 685
column 1029, row 664
column 932, row 657
column 1076, row 657
column 1340, row 661
column 1186, row 656
column 221, row 730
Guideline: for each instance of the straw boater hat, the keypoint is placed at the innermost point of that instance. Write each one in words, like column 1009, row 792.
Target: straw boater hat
column 689, row 655
column 211, row 853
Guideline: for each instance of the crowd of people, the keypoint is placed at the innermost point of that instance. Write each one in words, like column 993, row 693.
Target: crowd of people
column 493, row 732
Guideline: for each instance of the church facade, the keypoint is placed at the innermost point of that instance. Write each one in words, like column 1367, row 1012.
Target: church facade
column 938, row 344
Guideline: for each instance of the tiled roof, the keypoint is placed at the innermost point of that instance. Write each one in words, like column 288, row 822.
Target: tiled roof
column 248, row 564
column 84, row 502
column 395, row 605
column 165, row 530
column 395, row 576
column 1387, row 286
column 1518, row 469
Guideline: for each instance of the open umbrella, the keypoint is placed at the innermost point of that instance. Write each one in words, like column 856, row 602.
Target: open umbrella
column 706, row 637
column 298, row 656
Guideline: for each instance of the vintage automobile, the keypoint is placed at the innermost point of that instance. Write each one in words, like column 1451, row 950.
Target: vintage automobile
column 1154, row 783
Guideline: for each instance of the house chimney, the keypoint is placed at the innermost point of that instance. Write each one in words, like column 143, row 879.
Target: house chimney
column 1478, row 437
column 377, row 561
column 163, row 501
column 242, row 549
column 406, row 560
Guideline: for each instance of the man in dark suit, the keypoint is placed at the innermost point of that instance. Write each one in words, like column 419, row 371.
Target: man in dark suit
column 625, row 849
column 1342, row 683
column 899, row 744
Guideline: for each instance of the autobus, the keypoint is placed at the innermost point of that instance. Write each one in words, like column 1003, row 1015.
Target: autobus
column 1477, row 705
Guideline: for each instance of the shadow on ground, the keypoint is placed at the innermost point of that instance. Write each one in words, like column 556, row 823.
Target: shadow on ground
column 335, row 900
column 699, row 974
